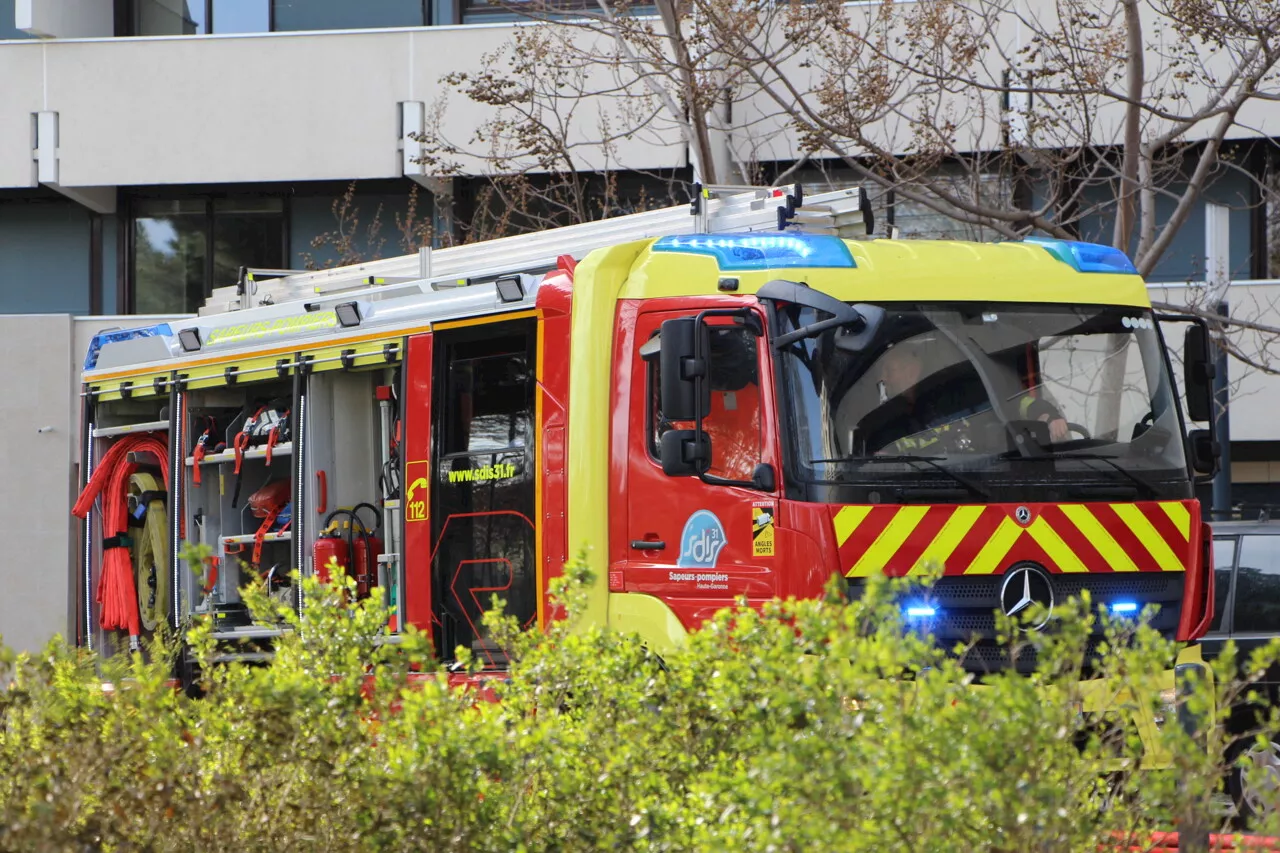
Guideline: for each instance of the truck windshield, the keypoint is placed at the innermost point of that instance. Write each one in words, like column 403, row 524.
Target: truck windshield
column 961, row 402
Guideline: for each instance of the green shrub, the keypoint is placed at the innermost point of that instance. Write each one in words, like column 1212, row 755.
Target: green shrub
column 820, row 725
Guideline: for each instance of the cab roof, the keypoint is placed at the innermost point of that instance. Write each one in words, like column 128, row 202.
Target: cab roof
column 1032, row 270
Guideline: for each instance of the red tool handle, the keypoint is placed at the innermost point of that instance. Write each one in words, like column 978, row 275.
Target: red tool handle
column 322, row 483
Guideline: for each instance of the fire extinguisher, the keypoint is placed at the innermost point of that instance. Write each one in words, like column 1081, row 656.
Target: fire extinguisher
column 367, row 550
column 330, row 547
column 360, row 541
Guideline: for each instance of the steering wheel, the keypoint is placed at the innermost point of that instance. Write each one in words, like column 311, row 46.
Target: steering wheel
column 1076, row 428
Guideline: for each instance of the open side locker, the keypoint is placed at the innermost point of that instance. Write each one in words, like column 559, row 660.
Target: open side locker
column 126, row 532
column 352, row 469
column 239, row 481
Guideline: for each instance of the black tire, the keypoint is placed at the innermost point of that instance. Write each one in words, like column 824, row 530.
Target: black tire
column 1259, row 794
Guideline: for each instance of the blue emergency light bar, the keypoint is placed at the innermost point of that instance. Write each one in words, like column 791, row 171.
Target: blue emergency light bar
column 114, row 337
column 1124, row 607
column 1086, row 257
column 921, row 611
column 746, row 252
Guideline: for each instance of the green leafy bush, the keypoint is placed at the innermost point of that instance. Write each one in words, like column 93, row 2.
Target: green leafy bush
column 820, row 725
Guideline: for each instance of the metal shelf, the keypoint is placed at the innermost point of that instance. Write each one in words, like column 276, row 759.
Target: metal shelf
column 127, row 429
column 242, row 657
column 246, row 538
column 285, row 449
column 248, row 632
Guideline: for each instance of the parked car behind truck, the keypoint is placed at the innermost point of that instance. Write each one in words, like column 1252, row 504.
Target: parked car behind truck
column 1246, row 559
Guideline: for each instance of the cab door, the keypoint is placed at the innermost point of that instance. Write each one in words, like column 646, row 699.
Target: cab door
column 699, row 545
column 483, row 475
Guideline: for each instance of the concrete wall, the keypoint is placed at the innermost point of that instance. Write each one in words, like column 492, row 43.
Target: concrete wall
column 280, row 107
column 38, row 477
column 39, row 463
column 65, row 18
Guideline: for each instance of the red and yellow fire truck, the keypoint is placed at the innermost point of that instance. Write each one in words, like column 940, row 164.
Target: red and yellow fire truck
column 736, row 401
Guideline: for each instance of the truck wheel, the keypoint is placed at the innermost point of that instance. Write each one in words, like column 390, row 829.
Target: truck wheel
column 1257, row 795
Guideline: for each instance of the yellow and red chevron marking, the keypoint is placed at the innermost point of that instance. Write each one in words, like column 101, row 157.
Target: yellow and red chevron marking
column 1150, row 536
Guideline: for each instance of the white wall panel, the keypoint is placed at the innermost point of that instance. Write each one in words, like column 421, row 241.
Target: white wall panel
column 20, row 96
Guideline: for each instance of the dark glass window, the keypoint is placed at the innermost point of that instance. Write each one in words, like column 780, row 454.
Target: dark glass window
column 247, row 232
column 7, row 28
column 170, row 17
column 490, row 394
column 240, row 16
column 733, row 424
column 1224, row 557
column 484, row 499
column 183, row 248
column 170, row 251
column 1257, row 604
column 347, row 15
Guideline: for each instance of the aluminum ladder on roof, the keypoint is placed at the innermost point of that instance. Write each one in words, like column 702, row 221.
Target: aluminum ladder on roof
column 715, row 210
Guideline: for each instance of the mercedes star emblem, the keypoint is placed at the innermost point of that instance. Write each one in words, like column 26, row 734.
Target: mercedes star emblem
column 1023, row 586
column 1023, row 515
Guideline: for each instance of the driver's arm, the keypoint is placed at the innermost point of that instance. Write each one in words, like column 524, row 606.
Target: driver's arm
column 1042, row 410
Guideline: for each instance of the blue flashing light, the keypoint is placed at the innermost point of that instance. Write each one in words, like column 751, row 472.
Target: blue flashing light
column 921, row 611
column 115, row 337
column 1086, row 257
column 1124, row 607
column 746, row 252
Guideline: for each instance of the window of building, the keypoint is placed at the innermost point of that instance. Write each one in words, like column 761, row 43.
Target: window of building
column 183, row 248
column 1257, row 604
column 346, row 15
column 204, row 17
column 170, row 17
column 504, row 10
column 7, row 29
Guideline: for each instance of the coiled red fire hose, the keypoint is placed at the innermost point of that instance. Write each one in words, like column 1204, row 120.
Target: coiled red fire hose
column 117, row 596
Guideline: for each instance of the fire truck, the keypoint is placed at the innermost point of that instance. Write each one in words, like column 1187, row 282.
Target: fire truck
column 734, row 400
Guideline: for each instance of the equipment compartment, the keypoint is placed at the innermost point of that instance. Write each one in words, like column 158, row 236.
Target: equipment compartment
column 240, row 480
column 124, row 504
column 353, row 485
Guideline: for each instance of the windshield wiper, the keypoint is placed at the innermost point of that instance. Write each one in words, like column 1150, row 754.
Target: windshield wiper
column 1142, row 484
column 931, row 461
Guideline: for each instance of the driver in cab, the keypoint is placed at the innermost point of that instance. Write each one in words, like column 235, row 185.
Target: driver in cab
column 919, row 422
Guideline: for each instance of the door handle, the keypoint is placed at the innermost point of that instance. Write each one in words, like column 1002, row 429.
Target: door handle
column 648, row 544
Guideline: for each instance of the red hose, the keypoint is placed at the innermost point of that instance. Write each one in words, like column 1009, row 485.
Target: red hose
column 117, row 596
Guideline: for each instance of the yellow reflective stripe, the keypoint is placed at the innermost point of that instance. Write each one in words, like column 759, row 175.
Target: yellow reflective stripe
column 888, row 542
column 951, row 535
column 1060, row 552
column 1149, row 537
column 1098, row 536
column 996, row 548
column 847, row 521
column 1179, row 515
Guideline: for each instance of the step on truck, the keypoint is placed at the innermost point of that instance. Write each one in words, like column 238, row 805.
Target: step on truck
column 741, row 399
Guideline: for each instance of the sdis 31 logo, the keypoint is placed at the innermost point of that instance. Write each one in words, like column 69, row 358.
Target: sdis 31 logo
column 702, row 540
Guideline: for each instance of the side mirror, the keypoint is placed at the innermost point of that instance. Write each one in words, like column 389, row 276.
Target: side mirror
column 683, row 370
column 1204, row 451
column 682, row 454
column 1198, row 372
column 855, row 338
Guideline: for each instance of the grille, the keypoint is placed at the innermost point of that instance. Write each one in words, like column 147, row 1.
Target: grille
column 967, row 611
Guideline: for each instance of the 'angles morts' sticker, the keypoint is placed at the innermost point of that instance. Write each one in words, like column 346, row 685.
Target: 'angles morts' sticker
column 762, row 529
